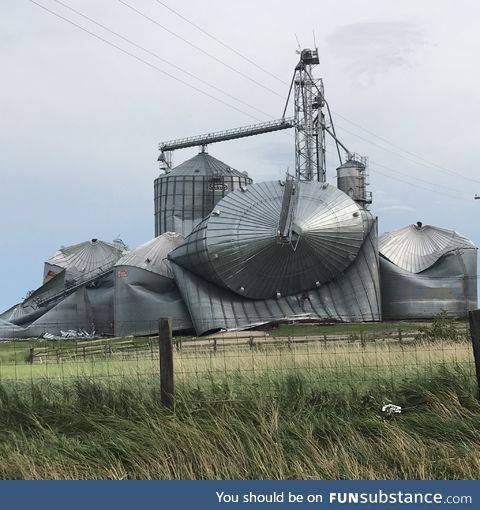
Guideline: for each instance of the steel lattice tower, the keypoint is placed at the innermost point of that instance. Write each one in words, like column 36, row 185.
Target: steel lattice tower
column 309, row 120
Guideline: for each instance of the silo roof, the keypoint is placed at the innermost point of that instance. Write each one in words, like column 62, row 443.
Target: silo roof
column 86, row 257
column 415, row 248
column 204, row 165
column 152, row 255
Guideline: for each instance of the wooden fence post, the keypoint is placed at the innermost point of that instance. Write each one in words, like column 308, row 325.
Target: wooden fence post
column 363, row 343
column 166, row 362
column 474, row 317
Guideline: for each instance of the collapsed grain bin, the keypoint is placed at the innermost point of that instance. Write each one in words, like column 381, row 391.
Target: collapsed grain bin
column 77, row 292
column 426, row 269
column 145, row 290
column 280, row 250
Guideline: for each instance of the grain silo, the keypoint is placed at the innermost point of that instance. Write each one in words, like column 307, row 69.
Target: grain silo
column 77, row 292
column 189, row 192
column 145, row 290
column 426, row 269
column 352, row 179
column 279, row 250
column 83, row 260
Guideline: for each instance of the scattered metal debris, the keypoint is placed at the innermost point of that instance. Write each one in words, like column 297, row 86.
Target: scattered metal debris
column 391, row 409
column 70, row 334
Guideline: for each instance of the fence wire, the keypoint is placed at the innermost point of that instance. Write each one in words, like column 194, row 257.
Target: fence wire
column 334, row 357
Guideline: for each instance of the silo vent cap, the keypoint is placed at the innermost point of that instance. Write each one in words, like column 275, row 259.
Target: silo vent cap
column 419, row 224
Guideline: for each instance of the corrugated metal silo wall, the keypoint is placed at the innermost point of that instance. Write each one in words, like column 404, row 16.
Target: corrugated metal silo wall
column 73, row 312
column 353, row 296
column 142, row 297
column 450, row 284
column 181, row 202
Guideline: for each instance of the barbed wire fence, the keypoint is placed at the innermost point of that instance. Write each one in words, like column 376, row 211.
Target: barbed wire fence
column 336, row 358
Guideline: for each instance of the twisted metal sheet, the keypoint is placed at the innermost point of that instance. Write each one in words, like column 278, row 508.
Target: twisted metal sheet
column 238, row 246
column 415, row 248
column 152, row 255
column 353, row 296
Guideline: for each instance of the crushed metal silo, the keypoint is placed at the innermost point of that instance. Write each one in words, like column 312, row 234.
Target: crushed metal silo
column 279, row 250
column 83, row 260
column 426, row 269
column 9, row 330
column 77, row 292
column 145, row 290
column 189, row 192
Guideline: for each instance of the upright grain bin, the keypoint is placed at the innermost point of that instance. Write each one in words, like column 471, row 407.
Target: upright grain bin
column 352, row 179
column 189, row 192
column 426, row 269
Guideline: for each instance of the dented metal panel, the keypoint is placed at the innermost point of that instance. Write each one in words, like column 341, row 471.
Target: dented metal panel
column 142, row 297
column 152, row 255
column 417, row 247
column 239, row 246
column 82, row 259
column 450, row 284
column 353, row 296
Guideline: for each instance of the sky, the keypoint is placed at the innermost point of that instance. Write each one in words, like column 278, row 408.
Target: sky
column 82, row 111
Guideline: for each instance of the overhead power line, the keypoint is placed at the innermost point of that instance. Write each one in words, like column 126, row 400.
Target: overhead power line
column 186, row 41
column 157, row 56
column 416, row 185
column 416, row 178
column 228, row 104
column 430, row 166
column 396, row 154
column 424, row 160
column 219, row 41
column 373, row 170
column 149, row 64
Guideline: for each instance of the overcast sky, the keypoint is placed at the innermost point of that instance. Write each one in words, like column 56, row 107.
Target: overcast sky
column 81, row 120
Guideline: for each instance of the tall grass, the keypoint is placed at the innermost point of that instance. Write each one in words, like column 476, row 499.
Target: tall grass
column 117, row 430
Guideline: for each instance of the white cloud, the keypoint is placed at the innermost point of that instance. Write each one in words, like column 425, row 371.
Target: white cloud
column 371, row 48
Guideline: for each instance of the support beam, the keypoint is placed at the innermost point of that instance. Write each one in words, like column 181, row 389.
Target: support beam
column 229, row 134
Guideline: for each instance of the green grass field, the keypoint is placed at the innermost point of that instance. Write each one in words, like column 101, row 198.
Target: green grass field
column 116, row 430
column 271, row 409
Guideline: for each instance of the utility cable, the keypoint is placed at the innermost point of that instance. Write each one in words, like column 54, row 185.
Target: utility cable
column 448, row 188
column 219, row 41
column 157, row 56
column 395, row 177
column 206, row 93
column 405, row 157
column 186, row 41
column 410, row 183
column 149, row 64
column 425, row 161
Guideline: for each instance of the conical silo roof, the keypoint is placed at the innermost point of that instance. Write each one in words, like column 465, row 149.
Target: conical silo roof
column 238, row 245
column 417, row 247
column 84, row 258
column 152, row 255
column 204, row 165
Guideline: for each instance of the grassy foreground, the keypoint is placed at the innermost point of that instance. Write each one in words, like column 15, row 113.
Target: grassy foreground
column 85, row 429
